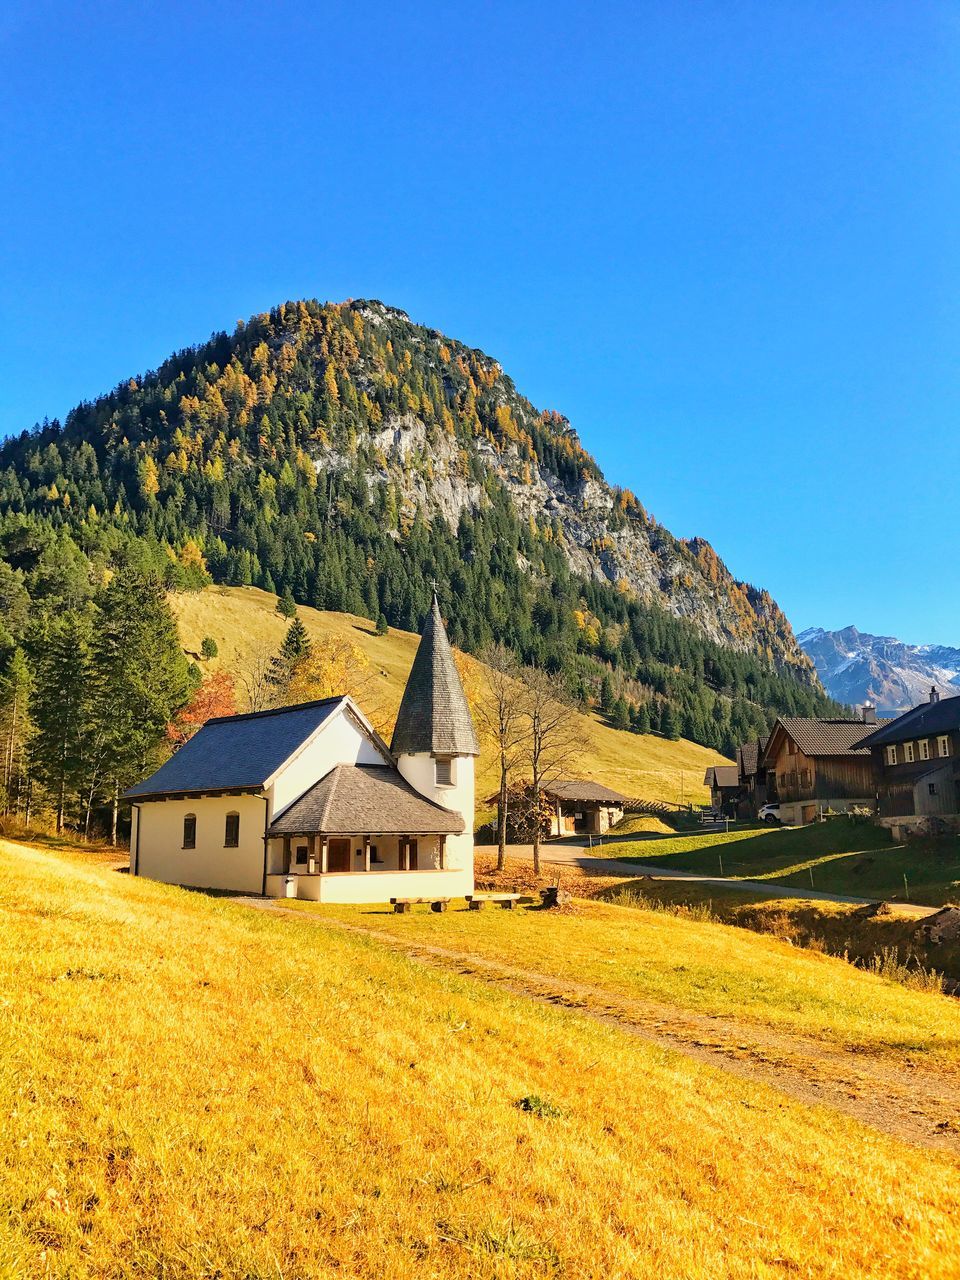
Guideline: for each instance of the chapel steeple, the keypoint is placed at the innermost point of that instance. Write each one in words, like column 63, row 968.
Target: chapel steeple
column 434, row 717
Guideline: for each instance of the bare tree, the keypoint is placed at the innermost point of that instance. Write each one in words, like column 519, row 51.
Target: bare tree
column 254, row 677
column 502, row 721
column 551, row 739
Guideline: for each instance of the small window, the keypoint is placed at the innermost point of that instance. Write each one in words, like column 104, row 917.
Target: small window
column 301, row 855
column 190, row 831
column 231, row 831
column 891, row 755
column 909, row 753
column 444, row 771
column 924, row 745
column 943, row 745
column 932, row 788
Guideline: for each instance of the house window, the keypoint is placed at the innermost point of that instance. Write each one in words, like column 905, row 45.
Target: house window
column 444, row 774
column 932, row 788
column 891, row 755
column 303, row 852
column 231, row 831
column 943, row 746
column 190, row 831
column 908, row 752
column 924, row 745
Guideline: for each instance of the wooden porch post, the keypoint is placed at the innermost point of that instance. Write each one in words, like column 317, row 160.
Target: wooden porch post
column 323, row 855
column 286, row 855
column 404, row 853
column 366, row 853
column 443, row 852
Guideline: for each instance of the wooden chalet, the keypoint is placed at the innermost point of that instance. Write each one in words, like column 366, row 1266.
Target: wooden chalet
column 915, row 763
column 819, row 766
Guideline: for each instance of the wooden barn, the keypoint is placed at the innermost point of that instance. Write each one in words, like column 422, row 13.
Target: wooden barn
column 724, row 783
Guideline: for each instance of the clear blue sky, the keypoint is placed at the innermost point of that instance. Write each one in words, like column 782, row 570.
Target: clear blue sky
column 721, row 237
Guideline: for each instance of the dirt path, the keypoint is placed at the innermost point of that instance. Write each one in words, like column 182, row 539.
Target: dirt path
column 908, row 1100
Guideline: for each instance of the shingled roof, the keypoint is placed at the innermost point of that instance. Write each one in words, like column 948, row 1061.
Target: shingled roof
column 925, row 721
column 722, row 776
column 824, row 737
column 371, row 799
column 589, row 792
column 434, row 716
column 236, row 753
column 748, row 758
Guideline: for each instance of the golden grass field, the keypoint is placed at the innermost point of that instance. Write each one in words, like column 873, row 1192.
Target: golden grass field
column 193, row 1088
column 242, row 619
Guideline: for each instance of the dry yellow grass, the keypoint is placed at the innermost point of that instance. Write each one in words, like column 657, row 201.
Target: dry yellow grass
column 241, row 619
column 193, row 1089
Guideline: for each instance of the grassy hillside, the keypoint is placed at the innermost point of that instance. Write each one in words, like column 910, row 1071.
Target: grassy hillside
column 191, row 1088
column 837, row 856
column 243, row 619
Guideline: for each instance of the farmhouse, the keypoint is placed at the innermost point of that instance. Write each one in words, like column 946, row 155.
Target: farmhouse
column 724, row 783
column 308, row 801
column 916, row 766
column 818, row 765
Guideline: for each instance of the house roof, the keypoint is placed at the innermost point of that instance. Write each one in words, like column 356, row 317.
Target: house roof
column 236, row 752
column 821, row 737
column 582, row 789
column 434, row 716
column 748, row 758
column 375, row 799
column 722, row 775
column 928, row 719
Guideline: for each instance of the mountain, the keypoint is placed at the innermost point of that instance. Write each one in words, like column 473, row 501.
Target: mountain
column 856, row 667
column 348, row 456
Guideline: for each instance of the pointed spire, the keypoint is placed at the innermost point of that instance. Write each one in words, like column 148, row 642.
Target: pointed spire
column 434, row 715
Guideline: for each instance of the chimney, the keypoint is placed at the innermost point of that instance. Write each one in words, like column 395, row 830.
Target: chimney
column 869, row 713
column 934, row 696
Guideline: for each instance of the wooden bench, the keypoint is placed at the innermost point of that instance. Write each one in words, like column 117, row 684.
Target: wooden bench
column 477, row 901
column 402, row 905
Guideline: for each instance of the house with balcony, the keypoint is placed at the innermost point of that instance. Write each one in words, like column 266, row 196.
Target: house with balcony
column 916, row 767
column 308, row 801
column 818, row 766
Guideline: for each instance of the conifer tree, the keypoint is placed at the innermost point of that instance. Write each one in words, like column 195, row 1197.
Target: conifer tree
column 15, row 729
column 62, row 708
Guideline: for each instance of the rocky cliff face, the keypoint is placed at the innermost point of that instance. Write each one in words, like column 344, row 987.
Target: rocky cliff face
column 856, row 667
column 605, row 532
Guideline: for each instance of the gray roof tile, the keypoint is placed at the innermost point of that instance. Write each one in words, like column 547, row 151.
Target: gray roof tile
column 373, row 799
column 928, row 719
column 434, row 716
column 236, row 752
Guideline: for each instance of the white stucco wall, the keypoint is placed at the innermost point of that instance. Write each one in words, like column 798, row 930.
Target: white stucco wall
column 156, row 843
column 420, row 772
column 377, row 886
column 338, row 741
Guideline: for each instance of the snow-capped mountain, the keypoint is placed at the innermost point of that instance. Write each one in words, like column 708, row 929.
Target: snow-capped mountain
column 855, row 667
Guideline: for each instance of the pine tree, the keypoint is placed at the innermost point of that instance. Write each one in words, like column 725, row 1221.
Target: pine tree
column 15, row 730
column 294, row 649
column 140, row 680
column 668, row 722
column 286, row 605
column 62, row 709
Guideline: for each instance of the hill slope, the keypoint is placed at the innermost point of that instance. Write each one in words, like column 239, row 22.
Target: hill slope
column 191, row 1088
column 856, row 667
column 348, row 455
column 243, row 621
